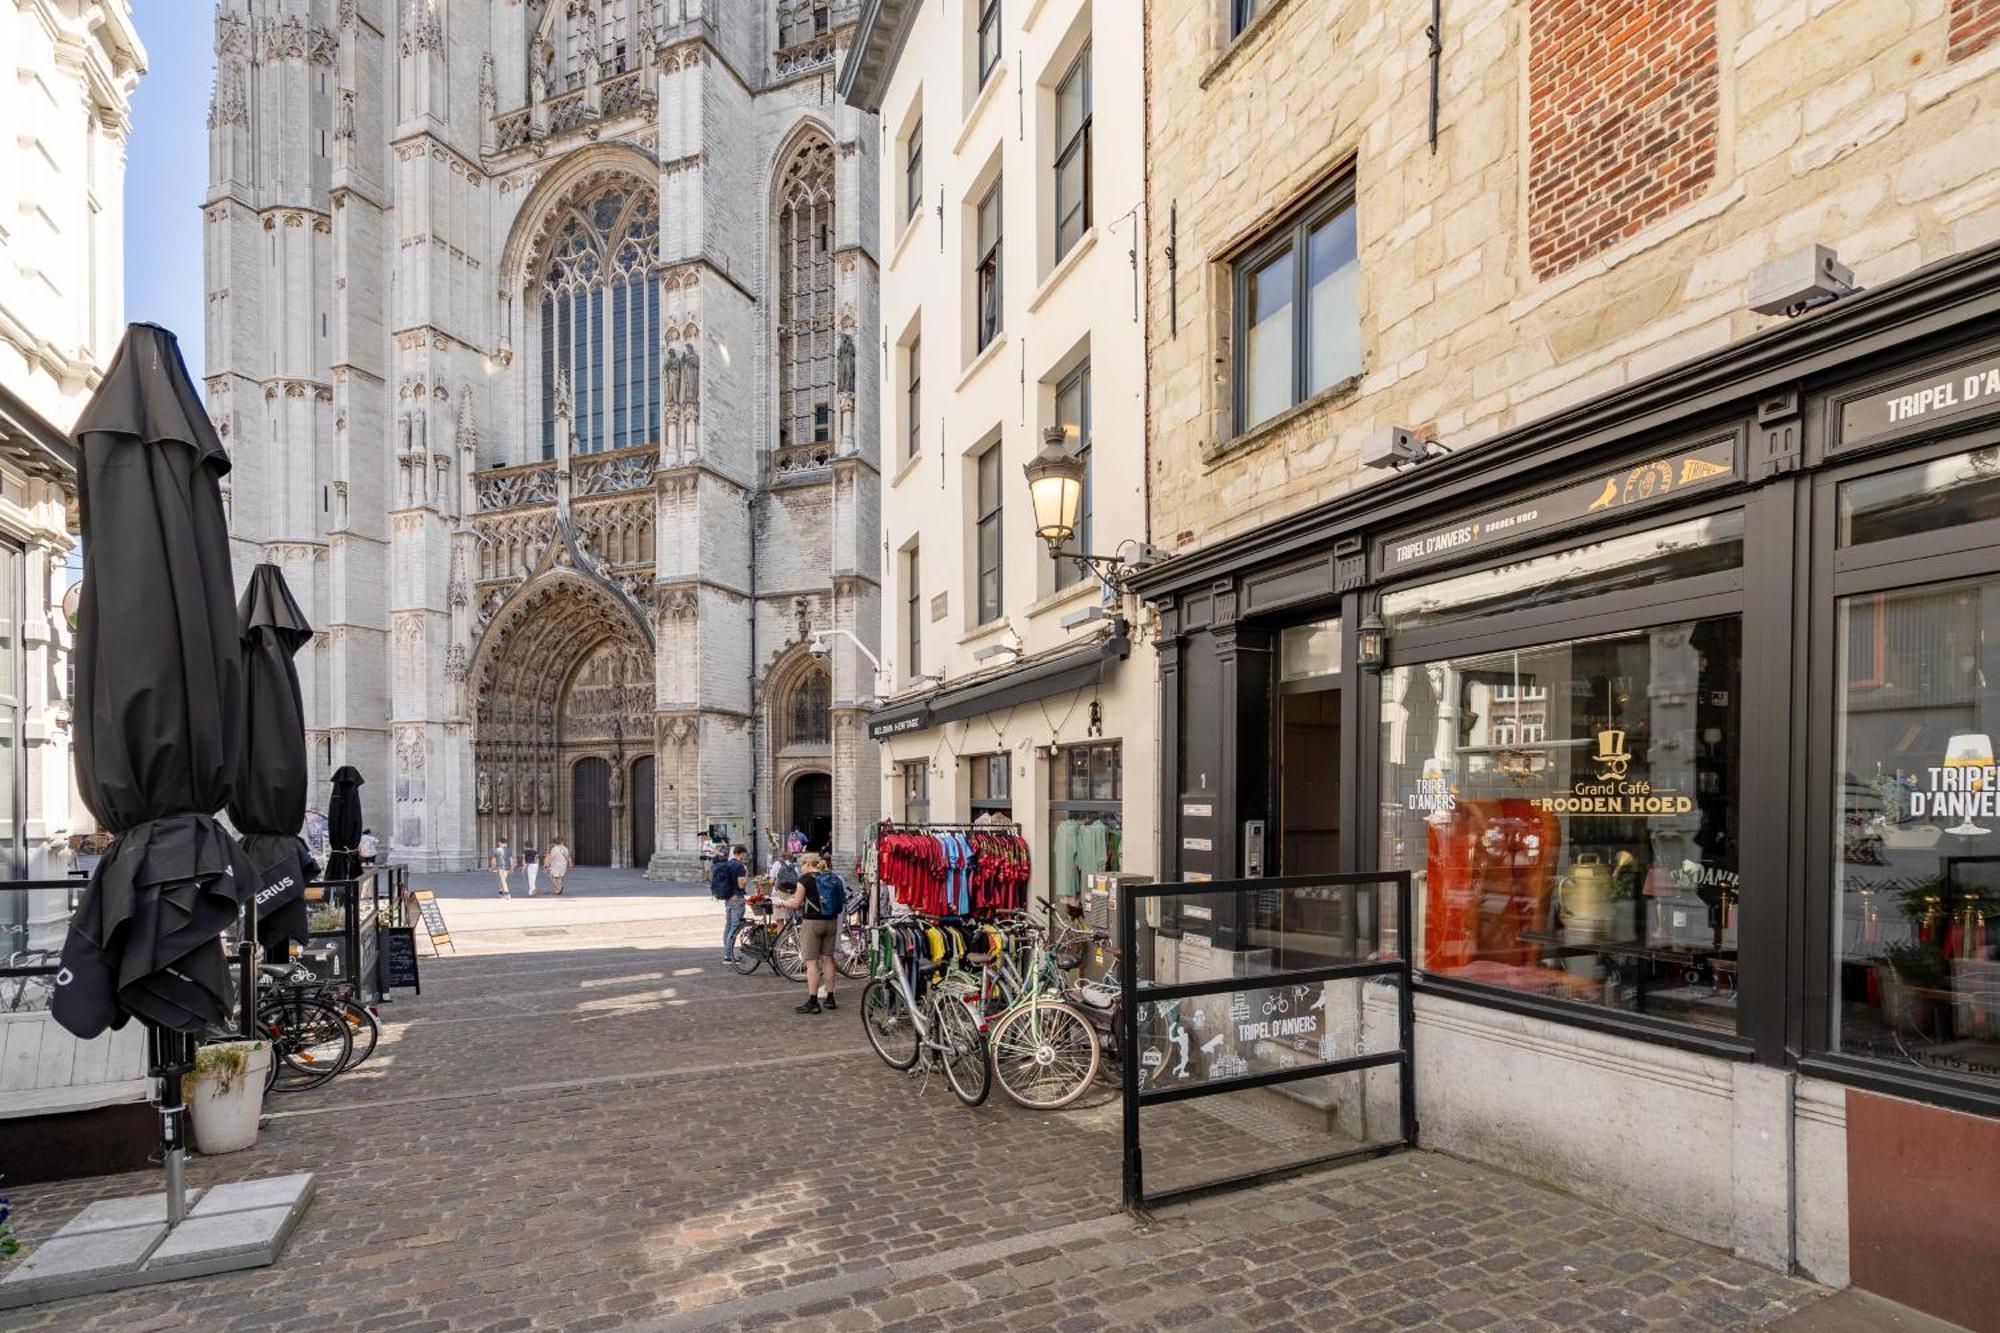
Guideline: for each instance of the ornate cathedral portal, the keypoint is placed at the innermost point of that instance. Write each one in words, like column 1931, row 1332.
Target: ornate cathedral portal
column 555, row 404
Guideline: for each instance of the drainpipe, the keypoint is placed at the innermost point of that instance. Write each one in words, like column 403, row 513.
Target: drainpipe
column 750, row 838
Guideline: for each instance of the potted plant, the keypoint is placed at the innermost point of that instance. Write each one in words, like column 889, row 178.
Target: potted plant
column 226, row 1094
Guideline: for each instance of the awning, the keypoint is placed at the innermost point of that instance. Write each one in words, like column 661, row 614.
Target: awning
column 30, row 442
column 1057, row 673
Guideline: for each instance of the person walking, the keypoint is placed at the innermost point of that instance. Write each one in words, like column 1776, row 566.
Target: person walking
column 727, row 884
column 531, row 867
column 370, row 848
column 821, row 896
column 502, row 862
column 556, row 862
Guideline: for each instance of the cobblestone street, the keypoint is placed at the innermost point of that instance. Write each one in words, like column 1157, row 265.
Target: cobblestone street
column 587, row 1122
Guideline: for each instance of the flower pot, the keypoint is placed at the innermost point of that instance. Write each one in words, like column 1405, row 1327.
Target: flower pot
column 225, row 1095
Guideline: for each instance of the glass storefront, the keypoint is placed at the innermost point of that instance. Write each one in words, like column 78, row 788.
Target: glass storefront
column 1086, row 791
column 1569, row 813
column 1917, row 861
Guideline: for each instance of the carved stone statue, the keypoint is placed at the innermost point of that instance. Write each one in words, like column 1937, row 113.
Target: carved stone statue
column 843, row 364
column 546, row 784
column 565, row 407
column 690, row 394
column 617, row 784
column 485, row 785
column 670, row 377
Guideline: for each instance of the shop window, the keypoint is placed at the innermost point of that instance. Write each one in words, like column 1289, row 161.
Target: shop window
column 1707, row 545
column 1917, row 851
column 990, row 779
column 1085, row 825
column 1072, row 192
column 1927, row 497
column 986, row 271
column 1297, row 328
column 1309, row 652
column 916, row 783
column 986, row 523
column 1073, row 415
column 1569, row 814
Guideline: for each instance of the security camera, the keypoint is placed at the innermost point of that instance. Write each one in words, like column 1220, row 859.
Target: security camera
column 818, row 645
column 1394, row 447
column 1797, row 282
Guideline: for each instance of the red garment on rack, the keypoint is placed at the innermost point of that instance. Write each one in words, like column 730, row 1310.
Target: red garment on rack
column 914, row 863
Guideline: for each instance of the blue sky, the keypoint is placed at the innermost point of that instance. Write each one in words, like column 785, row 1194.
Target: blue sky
column 166, row 170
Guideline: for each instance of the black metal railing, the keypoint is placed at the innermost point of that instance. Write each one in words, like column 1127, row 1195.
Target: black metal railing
column 1279, row 938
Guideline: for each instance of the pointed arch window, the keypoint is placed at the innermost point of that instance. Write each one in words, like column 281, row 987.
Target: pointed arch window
column 805, row 296
column 599, row 293
column 811, row 720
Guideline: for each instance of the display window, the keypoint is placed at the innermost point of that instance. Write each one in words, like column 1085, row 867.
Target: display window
column 989, row 779
column 1568, row 811
column 1086, row 827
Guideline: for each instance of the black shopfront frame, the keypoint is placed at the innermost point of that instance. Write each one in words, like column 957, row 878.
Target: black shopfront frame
column 1779, row 395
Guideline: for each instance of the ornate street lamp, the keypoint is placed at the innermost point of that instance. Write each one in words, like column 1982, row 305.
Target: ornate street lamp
column 1371, row 649
column 1055, row 495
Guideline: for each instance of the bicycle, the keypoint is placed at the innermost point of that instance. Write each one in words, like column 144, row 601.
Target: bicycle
column 30, row 992
column 930, row 1017
column 763, row 939
column 310, row 1038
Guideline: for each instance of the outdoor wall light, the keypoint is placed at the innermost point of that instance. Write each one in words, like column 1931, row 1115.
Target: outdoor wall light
column 1371, row 647
column 1055, row 494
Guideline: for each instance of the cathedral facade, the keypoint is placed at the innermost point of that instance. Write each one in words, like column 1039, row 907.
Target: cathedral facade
column 540, row 334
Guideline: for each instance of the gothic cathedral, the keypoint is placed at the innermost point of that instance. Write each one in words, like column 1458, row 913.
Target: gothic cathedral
column 536, row 334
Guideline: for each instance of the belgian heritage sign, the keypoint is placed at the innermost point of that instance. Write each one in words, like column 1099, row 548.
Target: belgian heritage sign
column 1616, row 491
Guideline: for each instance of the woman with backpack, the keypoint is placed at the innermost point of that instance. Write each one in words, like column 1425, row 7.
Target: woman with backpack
column 822, row 897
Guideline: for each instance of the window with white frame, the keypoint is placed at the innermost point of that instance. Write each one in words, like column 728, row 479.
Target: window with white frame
column 1073, row 415
column 986, row 270
column 987, row 527
column 989, row 38
column 1072, row 183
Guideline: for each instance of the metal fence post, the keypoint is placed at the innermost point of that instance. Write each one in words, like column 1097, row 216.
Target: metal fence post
column 1128, row 1041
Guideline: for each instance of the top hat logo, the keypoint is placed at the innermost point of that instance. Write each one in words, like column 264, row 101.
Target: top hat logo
column 1611, row 752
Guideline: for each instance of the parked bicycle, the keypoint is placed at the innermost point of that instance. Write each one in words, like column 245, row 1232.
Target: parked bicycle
column 311, row 1040
column 764, row 939
column 926, row 1010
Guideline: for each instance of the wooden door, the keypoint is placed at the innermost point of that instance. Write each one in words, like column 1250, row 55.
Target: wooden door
column 642, row 811
column 590, row 811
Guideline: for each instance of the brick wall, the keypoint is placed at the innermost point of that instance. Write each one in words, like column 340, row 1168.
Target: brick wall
column 1974, row 25
column 1623, row 119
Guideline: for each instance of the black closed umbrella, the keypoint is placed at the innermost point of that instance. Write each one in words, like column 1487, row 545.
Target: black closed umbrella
column 159, row 703
column 343, row 824
column 269, row 805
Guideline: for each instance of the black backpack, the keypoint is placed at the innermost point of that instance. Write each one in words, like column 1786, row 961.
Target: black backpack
column 722, row 880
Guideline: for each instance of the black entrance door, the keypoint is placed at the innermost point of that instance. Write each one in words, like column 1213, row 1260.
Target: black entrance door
column 812, row 809
column 642, row 811
column 590, row 808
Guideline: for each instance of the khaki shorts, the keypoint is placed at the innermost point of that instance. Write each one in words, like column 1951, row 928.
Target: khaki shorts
column 816, row 939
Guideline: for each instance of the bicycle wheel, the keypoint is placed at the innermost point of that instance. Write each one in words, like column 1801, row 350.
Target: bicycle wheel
column 749, row 950
column 891, row 1027
column 310, row 1038
column 850, row 952
column 366, row 1029
column 786, row 960
column 1044, row 1054
column 966, row 1067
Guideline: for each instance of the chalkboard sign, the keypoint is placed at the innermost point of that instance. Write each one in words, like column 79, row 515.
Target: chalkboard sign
column 399, row 959
column 433, row 915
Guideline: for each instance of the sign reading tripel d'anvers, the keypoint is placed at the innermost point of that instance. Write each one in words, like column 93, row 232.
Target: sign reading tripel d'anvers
column 1971, row 386
column 1630, row 487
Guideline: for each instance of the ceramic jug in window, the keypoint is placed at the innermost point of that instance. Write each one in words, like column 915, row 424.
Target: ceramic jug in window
column 1585, row 898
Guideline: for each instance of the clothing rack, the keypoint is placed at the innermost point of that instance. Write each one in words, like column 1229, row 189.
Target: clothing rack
column 972, row 867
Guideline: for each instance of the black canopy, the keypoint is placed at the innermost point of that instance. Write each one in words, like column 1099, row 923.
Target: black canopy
column 343, row 824
column 158, row 702
column 269, row 805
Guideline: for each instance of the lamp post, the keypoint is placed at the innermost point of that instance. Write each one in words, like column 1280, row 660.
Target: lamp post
column 1055, row 495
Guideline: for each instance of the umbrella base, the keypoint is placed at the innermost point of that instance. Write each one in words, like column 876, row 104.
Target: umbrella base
column 119, row 1243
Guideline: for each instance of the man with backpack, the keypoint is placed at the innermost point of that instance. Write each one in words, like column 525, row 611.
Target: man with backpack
column 822, row 897
column 727, row 884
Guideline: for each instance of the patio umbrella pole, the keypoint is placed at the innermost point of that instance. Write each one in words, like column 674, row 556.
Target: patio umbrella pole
column 171, row 1054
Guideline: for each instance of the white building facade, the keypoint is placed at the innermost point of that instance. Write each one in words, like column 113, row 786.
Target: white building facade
column 536, row 337
column 66, row 103
column 1012, row 151
column 70, row 67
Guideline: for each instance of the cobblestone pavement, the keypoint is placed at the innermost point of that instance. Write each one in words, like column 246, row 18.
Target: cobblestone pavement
column 581, row 1131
